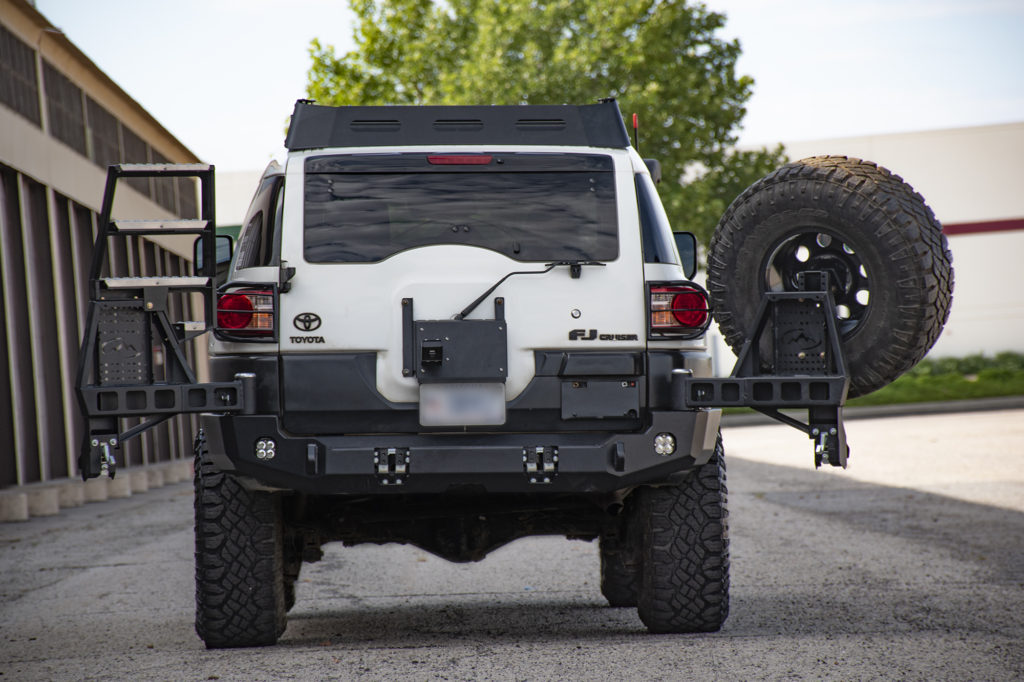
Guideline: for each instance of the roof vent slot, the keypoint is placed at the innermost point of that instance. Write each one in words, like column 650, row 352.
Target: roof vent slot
column 541, row 124
column 461, row 125
column 375, row 126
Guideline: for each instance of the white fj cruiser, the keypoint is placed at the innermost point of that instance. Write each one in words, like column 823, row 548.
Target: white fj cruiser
column 458, row 326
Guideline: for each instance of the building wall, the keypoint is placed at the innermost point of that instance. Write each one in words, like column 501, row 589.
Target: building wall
column 62, row 121
column 235, row 190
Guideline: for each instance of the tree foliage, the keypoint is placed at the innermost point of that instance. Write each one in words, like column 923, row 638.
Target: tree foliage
column 660, row 58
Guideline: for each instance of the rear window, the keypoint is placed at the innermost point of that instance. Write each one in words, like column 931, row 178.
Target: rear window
column 655, row 229
column 529, row 207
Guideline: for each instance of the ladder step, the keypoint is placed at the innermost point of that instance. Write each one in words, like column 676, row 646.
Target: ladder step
column 158, row 169
column 140, row 282
column 161, row 226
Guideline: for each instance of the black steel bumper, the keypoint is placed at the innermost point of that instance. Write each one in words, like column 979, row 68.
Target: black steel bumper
column 566, row 462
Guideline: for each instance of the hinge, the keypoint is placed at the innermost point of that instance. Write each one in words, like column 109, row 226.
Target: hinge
column 540, row 463
column 391, row 465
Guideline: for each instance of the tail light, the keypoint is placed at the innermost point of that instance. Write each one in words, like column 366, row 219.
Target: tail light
column 678, row 310
column 246, row 314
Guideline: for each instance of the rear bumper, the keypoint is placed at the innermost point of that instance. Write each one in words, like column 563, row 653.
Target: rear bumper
column 563, row 462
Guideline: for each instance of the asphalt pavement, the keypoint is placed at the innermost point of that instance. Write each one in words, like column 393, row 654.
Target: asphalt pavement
column 908, row 565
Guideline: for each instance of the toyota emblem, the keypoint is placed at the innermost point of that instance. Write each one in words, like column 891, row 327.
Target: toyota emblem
column 307, row 322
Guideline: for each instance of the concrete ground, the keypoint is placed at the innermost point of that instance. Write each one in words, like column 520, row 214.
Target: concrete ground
column 910, row 565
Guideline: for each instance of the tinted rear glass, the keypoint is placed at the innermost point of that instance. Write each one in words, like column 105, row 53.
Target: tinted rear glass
column 528, row 207
column 654, row 226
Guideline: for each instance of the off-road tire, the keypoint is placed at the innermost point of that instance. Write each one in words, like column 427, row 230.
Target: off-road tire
column 884, row 225
column 289, row 595
column 240, row 598
column 620, row 558
column 684, row 583
column 290, row 569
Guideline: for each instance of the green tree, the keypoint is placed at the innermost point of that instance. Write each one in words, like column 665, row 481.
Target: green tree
column 660, row 58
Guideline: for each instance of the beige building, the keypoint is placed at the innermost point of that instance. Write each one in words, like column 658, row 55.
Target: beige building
column 62, row 122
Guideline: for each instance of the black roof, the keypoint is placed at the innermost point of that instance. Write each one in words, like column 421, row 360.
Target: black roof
column 593, row 125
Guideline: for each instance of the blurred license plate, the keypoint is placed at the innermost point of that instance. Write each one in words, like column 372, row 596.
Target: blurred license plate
column 462, row 404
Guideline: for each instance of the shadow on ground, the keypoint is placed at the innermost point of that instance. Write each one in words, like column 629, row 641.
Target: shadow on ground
column 894, row 584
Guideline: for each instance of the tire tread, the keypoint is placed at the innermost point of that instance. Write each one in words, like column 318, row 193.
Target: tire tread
column 621, row 559
column 238, row 558
column 873, row 196
column 685, row 572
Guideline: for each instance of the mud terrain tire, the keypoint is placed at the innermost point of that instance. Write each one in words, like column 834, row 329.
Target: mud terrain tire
column 685, row 552
column 620, row 559
column 887, row 258
column 240, row 598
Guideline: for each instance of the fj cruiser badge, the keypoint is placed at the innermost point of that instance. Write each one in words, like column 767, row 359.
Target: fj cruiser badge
column 592, row 334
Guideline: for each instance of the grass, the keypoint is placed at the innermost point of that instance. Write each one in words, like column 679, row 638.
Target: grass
column 974, row 376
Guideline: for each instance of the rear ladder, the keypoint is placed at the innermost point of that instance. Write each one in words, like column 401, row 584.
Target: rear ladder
column 128, row 323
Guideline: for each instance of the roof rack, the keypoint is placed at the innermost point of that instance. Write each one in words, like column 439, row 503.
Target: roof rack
column 592, row 125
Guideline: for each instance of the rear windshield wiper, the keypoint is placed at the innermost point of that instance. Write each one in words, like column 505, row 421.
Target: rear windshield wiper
column 575, row 269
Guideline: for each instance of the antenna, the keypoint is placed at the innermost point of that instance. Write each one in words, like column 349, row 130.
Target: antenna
column 636, row 133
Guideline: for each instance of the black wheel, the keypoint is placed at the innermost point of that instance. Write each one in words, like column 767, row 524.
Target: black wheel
column 889, row 266
column 240, row 599
column 620, row 558
column 684, row 583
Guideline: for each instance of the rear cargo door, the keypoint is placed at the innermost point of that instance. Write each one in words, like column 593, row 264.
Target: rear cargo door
column 391, row 250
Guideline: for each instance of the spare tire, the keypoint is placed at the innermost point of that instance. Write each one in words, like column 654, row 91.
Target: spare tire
column 889, row 266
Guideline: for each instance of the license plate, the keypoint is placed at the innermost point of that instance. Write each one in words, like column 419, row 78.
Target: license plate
column 462, row 404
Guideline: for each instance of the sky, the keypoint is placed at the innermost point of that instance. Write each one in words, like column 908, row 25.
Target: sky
column 223, row 75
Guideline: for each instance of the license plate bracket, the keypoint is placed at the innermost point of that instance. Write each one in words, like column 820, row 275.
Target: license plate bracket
column 464, row 404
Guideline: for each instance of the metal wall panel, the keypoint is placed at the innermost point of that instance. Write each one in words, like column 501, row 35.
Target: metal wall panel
column 8, row 465
column 19, row 82
column 104, row 136
column 19, row 358
column 62, row 240
column 65, row 109
column 45, row 343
